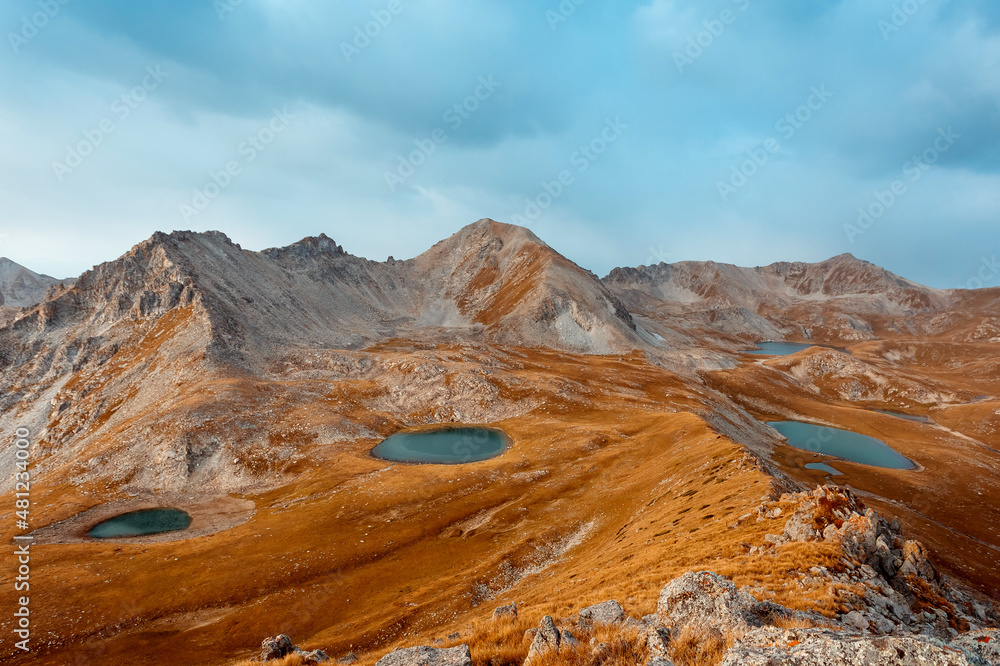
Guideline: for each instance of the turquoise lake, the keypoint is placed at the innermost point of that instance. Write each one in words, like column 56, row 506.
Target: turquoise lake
column 449, row 446
column 841, row 444
column 778, row 348
column 141, row 523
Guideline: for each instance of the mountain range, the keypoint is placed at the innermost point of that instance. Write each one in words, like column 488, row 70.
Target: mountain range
column 249, row 388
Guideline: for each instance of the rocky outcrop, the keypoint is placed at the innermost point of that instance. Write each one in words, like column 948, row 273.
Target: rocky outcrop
column 708, row 600
column 822, row 647
column 428, row 656
column 904, row 591
column 281, row 646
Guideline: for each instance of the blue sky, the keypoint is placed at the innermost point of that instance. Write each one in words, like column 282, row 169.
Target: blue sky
column 741, row 131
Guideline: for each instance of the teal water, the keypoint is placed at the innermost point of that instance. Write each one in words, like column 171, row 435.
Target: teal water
column 450, row 446
column 842, row 444
column 824, row 467
column 908, row 417
column 140, row 523
column 778, row 348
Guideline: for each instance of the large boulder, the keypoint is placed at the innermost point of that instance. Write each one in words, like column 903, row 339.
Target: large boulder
column 703, row 598
column 769, row 646
column 427, row 656
column 708, row 599
column 608, row 612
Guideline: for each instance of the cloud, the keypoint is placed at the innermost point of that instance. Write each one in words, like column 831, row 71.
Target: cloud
column 357, row 117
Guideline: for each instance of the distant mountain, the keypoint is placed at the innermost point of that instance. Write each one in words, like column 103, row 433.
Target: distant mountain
column 841, row 299
column 20, row 287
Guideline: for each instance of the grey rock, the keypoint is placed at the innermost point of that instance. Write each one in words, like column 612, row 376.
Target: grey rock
column 348, row 658
column 855, row 619
column 608, row 612
column 658, row 641
column 567, row 639
column 547, row 639
column 799, row 526
column 428, row 656
column 505, row 612
column 770, row 646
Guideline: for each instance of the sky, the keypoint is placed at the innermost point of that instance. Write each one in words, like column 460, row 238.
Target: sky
column 622, row 134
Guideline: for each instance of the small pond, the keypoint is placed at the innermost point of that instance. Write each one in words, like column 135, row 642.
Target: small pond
column 841, row 444
column 825, row 468
column 450, row 446
column 778, row 348
column 141, row 523
column 908, row 417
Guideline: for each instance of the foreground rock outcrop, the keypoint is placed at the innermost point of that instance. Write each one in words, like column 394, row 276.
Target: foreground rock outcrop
column 903, row 593
column 822, row 647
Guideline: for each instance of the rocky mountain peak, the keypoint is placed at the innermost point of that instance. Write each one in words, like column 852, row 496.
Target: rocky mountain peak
column 310, row 247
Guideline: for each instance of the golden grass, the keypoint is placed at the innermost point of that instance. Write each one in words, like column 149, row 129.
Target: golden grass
column 357, row 556
column 700, row 646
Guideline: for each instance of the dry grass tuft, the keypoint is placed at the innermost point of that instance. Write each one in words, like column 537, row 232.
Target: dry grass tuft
column 699, row 646
column 499, row 642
